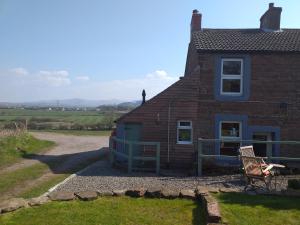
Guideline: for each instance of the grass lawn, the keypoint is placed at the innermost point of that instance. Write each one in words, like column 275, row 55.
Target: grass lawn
column 40, row 189
column 241, row 209
column 11, row 148
column 110, row 211
column 80, row 132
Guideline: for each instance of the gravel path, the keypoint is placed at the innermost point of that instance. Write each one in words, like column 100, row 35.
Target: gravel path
column 100, row 176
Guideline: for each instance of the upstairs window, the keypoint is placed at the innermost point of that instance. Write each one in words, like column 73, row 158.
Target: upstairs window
column 231, row 132
column 232, row 77
column 184, row 132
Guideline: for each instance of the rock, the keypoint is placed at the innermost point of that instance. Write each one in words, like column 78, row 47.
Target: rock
column 201, row 190
column 190, row 194
column 105, row 193
column 87, row 195
column 13, row 204
column 250, row 192
column 170, row 194
column 208, row 199
column 229, row 190
column 38, row 201
column 139, row 192
column 213, row 212
column 260, row 191
column 213, row 190
column 61, row 196
column 153, row 193
column 119, row 192
column 226, row 185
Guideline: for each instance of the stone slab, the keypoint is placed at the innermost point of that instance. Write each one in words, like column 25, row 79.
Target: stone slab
column 87, row 195
column 169, row 194
column 188, row 193
column 138, row 192
column 119, row 192
column 38, row 201
column 103, row 193
column 62, row 196
column 13, row 204
column 153, row 193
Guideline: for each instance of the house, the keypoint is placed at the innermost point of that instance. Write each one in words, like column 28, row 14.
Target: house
column 239, row 84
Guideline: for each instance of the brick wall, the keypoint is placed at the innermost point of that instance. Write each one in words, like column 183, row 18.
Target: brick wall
column 275, row 79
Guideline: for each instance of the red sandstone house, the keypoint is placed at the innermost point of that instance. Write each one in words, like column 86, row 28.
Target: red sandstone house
column 239, row 84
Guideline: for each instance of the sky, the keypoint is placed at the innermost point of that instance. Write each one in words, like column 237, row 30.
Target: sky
column 96, row 49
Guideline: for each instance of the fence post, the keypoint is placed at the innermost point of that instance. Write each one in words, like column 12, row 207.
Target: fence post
column 269, row 152
column 200, row 157
column 111, row 151
column 130, row 158
column 158, row 158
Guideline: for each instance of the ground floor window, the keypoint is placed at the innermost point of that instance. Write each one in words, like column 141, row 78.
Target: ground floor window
column 231, row 133
column 184, row 132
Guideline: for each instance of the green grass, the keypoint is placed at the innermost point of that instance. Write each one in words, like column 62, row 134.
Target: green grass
column 241, row 209
column 43, row 187
column 13, row 148
column 81, row 132
column 44, row 115
column 110, row 211
column 40, row 189
column 9, row 180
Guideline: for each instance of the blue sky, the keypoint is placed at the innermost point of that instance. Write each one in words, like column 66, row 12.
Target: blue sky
column 57, row 49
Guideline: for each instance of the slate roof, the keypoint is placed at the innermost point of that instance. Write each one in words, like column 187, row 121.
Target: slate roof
column 286, row 40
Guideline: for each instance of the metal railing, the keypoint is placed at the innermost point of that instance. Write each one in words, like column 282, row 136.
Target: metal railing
column 129, row 153
column 269, row 154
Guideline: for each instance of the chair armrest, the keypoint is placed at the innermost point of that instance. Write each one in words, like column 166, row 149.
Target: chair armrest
column 268, row 168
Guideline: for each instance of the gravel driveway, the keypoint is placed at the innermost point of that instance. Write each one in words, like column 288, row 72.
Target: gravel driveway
column 100, row 176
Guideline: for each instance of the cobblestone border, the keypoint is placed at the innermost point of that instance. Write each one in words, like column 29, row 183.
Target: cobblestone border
column 202, row 194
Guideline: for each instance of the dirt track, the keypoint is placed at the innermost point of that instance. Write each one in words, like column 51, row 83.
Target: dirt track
column 72, row 148
column 70, row 154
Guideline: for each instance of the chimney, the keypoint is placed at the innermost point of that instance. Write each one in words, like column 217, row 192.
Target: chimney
column 196, row 21
column 270, row 21
column 144, row 97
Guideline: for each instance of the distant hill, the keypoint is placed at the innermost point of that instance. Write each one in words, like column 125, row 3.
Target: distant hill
column 132, row 104
column 76, row 102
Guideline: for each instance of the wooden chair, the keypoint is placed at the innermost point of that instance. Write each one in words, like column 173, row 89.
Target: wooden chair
column 255, row 168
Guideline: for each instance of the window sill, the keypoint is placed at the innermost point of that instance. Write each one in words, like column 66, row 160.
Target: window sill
column 184, row 143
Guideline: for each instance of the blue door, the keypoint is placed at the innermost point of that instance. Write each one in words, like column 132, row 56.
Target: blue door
column 133, row 133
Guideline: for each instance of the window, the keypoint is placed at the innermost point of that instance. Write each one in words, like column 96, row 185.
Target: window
column 184, row 132
column 232, row 77
column 230, row 131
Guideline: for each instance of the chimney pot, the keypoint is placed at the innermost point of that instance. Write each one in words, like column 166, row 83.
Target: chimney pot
column 271, row 5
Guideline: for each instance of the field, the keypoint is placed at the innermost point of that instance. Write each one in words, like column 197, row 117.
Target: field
column 109, row 211
column 59, row 119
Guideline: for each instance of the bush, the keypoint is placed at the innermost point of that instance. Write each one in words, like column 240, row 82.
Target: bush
column 294, row 183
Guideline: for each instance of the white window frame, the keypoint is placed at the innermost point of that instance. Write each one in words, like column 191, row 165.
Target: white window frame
column 232, row 76
column 184, row 127
column 230, row 138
